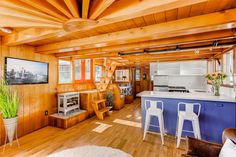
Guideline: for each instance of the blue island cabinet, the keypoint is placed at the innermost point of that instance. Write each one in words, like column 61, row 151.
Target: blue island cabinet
column 215, row 116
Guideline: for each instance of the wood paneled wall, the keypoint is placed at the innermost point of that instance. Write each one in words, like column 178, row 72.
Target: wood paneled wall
column 61, row 88
column 34, row 99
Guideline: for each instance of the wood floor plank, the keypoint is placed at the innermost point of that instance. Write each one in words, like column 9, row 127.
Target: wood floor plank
column 127, row 138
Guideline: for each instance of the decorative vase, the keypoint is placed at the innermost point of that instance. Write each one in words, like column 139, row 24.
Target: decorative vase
column 10, row 127
column 216, row 88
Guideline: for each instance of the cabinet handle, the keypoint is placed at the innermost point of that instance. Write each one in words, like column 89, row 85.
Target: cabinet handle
column 220, row 105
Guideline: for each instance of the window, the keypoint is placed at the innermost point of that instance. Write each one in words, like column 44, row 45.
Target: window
column 83, row 69
column 210, row 66
column 87, row 69
column 98, row 73
column 228, row 60
column 218, row 65
column 65, row 71
column 137, row 75
column 78, row 72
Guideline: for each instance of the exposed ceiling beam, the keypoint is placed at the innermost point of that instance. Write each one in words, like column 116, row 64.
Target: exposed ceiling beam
column 171, row 57
column 187, row 26
column 197, row 38
column 20, row 6
column 73, row 7
column 150, row 56
column 25, row 16
column 85, row 8
column 8, row 21
column 181, row 58
column 98, row 7
column 175, row 57
column 27, row 35
column 45, row 7
column 159, row 8
column 60, row 5
column 124, row 10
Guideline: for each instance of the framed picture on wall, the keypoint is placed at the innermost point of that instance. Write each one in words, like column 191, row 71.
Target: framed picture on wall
column 20, row 71
column 122, row 75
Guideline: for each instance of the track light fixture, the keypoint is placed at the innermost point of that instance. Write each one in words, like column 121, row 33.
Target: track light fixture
column 215, row 43
column 145, row 51
column 177, row 48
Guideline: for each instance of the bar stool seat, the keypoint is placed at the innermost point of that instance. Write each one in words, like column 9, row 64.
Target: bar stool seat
column 190, row 115
column 154, row 110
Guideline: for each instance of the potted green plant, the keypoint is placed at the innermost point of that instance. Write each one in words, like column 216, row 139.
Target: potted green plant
column 110, row 97
column 216, row 79
column 9, row 104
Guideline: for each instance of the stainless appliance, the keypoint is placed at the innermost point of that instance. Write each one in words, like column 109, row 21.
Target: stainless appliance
column 160, row 83
column 178, row 89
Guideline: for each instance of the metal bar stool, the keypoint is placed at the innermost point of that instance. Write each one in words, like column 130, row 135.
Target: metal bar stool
column 188, row 114
column 154, row 110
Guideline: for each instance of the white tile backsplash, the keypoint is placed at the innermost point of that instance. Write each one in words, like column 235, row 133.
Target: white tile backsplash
column 190, row 82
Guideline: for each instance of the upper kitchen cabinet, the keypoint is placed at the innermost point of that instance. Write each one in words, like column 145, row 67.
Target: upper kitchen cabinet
column 193, row 68
column 179, row 68
column 153, row 68
column 168, row 68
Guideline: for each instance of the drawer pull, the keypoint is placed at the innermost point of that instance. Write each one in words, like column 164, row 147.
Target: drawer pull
column 219, row 105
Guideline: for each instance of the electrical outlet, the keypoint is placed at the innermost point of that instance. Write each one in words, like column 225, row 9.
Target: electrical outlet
column 46, row 113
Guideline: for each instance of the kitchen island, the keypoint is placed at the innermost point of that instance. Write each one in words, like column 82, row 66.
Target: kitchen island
column 217, row 113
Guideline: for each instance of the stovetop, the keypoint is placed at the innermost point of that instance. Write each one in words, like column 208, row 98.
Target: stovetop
column 178, row 89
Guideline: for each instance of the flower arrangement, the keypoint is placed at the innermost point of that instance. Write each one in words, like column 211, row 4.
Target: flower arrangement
column 216, row 80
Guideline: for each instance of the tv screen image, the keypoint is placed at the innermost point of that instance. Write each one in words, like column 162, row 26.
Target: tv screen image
column 20, row 71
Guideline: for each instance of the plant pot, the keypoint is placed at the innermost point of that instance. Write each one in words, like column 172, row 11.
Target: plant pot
column 10, row 127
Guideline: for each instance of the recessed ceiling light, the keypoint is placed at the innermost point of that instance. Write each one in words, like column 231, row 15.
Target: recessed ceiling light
column 6, row 30
column 197, row 51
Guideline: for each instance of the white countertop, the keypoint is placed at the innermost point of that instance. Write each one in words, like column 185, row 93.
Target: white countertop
column 192, row 96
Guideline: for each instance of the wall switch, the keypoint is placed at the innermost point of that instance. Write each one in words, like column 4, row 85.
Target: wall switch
column 46, row 113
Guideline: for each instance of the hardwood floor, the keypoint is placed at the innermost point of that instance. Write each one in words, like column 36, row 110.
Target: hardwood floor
column 127, row 138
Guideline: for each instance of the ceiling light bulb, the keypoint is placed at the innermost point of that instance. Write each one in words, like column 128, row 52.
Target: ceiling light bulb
column 197, row 51
column 6, row 30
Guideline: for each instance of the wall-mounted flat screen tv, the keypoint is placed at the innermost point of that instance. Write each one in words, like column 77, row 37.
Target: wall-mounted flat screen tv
column 20, row 71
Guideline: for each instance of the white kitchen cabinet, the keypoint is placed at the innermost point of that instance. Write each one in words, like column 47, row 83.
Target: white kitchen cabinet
column 193, row 68
column 168, row 68
column 179, row 68
column 153, row 69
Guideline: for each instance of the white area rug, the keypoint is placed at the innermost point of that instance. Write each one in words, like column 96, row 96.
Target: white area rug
column 102, row 127
column 90, row 151
column 126, row 122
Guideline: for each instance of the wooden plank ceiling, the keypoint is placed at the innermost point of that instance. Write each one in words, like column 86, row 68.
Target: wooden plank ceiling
column 115, row 28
